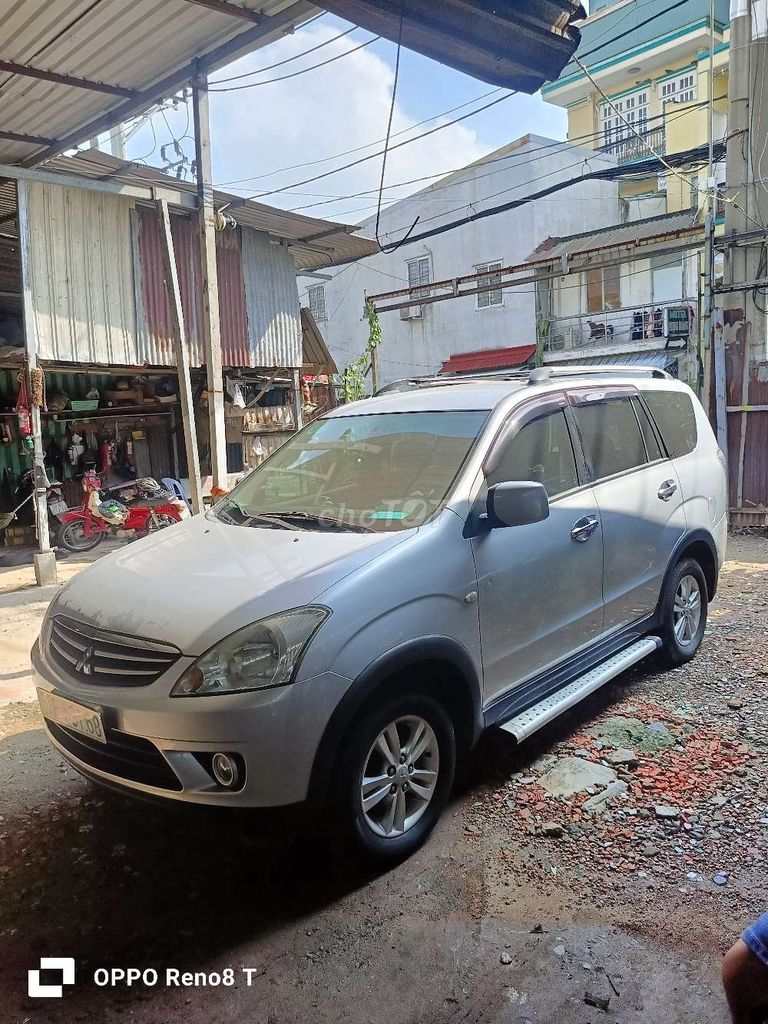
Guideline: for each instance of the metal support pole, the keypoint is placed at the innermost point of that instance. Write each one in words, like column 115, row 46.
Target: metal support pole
column 182, row 356
column 297, row 414
column 210, row 282
column 44, row 558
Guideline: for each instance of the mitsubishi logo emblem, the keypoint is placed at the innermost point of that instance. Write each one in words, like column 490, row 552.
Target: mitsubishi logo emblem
column 85, row 664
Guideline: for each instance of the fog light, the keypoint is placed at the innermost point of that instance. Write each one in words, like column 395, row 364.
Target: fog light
column 225, row 771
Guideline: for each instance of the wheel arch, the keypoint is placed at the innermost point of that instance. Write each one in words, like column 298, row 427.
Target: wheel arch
column 699, row 545
column 445, row 669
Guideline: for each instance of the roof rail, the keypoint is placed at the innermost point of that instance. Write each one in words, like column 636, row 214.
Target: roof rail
column 538, row 375
column 543, row 374
column 442, row 380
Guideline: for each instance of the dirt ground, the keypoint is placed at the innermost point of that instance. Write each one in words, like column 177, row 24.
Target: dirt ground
column 523, row 906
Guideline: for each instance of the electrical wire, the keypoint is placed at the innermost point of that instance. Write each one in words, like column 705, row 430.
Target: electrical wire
column 394, row 247
column 358, row 149
column 372, row 156
column 303, row 71
column 518, row 162
column 288, row 60
column 629, row 31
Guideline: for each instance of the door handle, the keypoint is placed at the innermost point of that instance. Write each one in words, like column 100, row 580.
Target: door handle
column 666, row 490
column 583, row 528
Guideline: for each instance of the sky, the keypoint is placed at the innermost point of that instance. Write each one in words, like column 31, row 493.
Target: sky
column 274, row 135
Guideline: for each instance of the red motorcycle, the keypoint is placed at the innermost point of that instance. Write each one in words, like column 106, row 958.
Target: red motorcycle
column 149, row 508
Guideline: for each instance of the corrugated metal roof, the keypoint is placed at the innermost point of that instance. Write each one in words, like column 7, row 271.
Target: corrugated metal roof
column 490, row 359
column 134, row 45
column 313, row 243
column 658, row 359
column 630, row 233
column 518, row 44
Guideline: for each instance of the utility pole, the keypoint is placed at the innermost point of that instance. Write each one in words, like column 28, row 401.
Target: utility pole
column 210, row 281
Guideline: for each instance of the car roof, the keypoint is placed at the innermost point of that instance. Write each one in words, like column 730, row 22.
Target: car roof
column 465, row 394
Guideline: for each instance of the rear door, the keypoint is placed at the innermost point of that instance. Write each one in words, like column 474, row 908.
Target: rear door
column 540, row 585
column 638, row 495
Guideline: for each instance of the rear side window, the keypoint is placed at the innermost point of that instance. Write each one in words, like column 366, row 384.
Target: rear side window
column 611, row 434
column 676, row 420
column 541, row 451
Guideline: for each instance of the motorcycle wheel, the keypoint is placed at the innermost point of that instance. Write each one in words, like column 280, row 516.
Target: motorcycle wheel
column 73, row 538
column 159, row 522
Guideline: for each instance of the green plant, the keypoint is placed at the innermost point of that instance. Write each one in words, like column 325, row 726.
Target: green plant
column 351, row 380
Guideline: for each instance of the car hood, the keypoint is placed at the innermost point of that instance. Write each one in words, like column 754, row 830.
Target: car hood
column 196, row 582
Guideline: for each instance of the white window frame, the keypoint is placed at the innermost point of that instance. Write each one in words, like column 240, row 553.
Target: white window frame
column 635, row 108
column 680, row 89
column 490, row 299
column 318, row 310
column 418, row 279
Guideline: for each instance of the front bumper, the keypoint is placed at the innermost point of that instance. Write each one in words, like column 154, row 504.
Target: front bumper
column 158, row 746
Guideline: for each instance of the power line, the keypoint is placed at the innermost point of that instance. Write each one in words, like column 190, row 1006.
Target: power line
column 372, row 156
column 303, row 71
column 509, row 156
column 629, row 31
column 651, row 166
column 358, row 149
column 288, row 60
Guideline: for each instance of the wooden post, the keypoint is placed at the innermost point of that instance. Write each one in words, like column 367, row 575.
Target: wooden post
column 44, row 558
column 718, row 363
column 210, row 282
column 182, row 356
column 297, row 416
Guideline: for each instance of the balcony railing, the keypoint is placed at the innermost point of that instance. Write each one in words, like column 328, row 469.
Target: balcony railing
column 633, row 148
column 640, row 324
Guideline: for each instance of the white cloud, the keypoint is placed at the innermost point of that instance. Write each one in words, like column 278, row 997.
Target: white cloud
column 339, row 107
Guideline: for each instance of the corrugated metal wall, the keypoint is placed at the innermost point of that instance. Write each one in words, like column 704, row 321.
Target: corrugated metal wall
column 81, row 275
column 99, row 291
column 233, row 319
column 154, row 307
column 272, row 301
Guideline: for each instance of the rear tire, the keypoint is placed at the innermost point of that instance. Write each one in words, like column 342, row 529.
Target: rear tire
column 683, row 613
column 395, row 775
column 72, row 538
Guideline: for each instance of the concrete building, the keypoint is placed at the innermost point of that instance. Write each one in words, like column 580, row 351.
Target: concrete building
column 422, row 338
column 631, row 294
column 654, row 67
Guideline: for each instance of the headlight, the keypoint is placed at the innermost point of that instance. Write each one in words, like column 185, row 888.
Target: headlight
column 261, row 655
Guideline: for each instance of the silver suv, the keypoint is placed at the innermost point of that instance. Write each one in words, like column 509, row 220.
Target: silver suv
column 405, row 572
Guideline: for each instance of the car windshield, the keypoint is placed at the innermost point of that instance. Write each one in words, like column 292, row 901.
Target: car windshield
column 377, row 473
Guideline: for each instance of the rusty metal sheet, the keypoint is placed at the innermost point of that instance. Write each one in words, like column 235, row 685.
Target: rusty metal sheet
column 272, row 302
column 233, row 319
column 157, row 333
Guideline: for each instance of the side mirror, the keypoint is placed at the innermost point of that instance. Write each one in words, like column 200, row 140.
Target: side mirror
column 516, row 503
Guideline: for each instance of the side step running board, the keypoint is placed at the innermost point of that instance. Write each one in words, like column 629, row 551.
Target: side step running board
column 527, row 722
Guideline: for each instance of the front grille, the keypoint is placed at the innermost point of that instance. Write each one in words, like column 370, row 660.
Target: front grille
column 110, row 659
column 127, row 757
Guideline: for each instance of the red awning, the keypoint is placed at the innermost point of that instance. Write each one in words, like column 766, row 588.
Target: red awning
column 489, row 359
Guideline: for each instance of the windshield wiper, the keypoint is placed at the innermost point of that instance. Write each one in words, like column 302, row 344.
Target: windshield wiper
column 317, row 519
column 251, row 518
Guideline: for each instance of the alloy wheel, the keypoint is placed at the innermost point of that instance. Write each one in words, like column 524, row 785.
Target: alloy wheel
column 686, row 614
column 400, row 776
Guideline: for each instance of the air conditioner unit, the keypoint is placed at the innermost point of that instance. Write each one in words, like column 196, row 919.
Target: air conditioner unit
column 412, row 313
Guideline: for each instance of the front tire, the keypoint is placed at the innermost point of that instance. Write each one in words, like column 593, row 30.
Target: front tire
column 395, row 776
column 683, row 613
column 73, row 537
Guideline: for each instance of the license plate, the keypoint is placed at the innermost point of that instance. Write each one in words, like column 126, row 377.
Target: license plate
column 57, row 507
column 71, row 715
